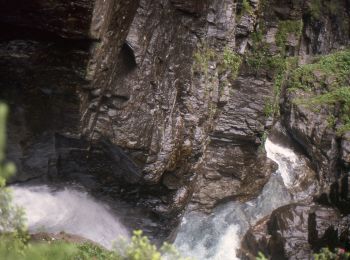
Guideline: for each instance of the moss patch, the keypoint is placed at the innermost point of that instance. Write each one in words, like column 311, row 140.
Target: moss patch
column 278, row 65
column 330, row 70
column 228, row 60
column 319, row 8
column 328, row 82
column 286, row 28
column 246, row 8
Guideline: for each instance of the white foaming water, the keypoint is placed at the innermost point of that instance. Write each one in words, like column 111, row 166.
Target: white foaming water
column 286, row 159
column 218, row 236
column 228, row 244
column 68, row 210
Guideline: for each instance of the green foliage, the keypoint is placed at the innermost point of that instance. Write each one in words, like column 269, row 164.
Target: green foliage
column 285, row 28
column 282, row 68
column 139, row 248
column 92, row 251
column 337, row 65
column 11, row 217
column 261, row 256
column 333, row 7
column 260, row 57
column 227, row 60
column 202, row 57
column 231, row 61
column 327, row 81
column 6, row 169
column 263, row 139
column 269, row 107
column 41, row 251
column 246, row 8
column 319, row 8
column 326, row 254
column 315, row 9
column 337, row 97
column 278, row 65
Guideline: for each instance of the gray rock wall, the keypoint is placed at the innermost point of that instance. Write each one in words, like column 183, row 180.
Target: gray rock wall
column 165, row 103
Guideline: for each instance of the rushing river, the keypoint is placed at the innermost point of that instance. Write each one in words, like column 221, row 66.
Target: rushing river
column 214, row 237
column 68, row 210
column 217, row 236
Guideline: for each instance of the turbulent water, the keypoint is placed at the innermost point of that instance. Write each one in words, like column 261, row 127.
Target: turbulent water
column 68, row 210
column 217, row 236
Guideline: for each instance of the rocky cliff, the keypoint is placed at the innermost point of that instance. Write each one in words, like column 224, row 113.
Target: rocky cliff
column 166, row 104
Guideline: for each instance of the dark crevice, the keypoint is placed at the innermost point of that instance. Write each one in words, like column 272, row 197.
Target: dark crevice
column 9, row 32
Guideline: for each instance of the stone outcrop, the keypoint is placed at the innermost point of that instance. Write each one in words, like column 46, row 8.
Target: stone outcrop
column 296, row 231
column 293, row 231
column 150, row 77
column 132, row 97
column 164, row 104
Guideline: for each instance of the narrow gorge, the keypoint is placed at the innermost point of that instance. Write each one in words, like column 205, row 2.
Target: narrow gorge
column 220, row 126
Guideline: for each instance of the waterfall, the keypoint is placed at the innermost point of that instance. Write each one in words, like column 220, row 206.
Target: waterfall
column 68, row 210
column 217, row 236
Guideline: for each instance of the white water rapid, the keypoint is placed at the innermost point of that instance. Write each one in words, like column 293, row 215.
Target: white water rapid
column 68, row 210
column 213, row 237
column 217, row 236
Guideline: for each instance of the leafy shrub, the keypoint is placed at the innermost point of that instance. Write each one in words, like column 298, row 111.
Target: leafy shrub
column 12, row 229
column 139, row 248
column 326, row 254
column 261, row 256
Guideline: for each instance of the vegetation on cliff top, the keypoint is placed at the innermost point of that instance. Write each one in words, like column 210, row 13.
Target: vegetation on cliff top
column 327, row 82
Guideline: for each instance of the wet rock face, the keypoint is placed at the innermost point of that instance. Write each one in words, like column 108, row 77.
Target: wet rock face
column 230, row 171
column 293, row 231
column 323, row 140
column 192, row 7
column 40, row 86
column 323, row 33
column 312, row 131
column 44, row 67
column 126, row 72
column 170, row 95
column 140, row 99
